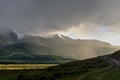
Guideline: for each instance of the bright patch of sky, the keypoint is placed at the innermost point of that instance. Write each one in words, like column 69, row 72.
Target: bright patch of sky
column 82, row 31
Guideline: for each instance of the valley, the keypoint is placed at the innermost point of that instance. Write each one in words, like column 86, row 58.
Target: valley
column 97, row 68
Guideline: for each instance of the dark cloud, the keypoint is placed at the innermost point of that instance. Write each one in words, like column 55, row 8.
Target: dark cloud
column 44, row 16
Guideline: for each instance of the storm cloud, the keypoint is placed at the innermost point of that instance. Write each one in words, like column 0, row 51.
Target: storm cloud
column 46, row 16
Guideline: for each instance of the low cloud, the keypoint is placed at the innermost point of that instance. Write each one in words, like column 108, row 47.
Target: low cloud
column 42, row 17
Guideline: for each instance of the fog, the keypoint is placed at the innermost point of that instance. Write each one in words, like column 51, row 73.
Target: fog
column 43, row 17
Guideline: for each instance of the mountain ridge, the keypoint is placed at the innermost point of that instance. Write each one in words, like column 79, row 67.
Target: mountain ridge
column 55, row 46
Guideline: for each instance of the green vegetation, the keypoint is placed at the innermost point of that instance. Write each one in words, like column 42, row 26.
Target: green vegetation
column 30, row 48
column 99, row 68
column 29, row 53
column 94, row 74
column 68, row 71
column 33, row 49
column 24, row 66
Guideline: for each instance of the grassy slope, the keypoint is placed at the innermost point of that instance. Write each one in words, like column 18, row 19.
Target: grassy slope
column 69, row 71
column 29, row 53
column 106, row 72
column 62, row 72
column 90, row 69
column 94, row 75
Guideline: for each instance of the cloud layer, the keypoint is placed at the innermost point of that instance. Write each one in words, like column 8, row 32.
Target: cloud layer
column 42, row 17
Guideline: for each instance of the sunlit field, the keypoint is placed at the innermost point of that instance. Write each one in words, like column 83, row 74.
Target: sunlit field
column 11, row 71
column 24, row 66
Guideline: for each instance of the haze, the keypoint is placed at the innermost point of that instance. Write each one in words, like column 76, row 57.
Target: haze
column 84, row 19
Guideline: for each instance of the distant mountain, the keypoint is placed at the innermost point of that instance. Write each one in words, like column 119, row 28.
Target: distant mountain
column 29, row 53
column 7, row 38
column 67, row 47
column 48, row 49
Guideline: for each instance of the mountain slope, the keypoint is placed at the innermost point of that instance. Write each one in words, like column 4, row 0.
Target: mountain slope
column 99, row 68
column 68, row 47
column 7, row 38
column 95, row 68
column 33, row 48
column 29, row 53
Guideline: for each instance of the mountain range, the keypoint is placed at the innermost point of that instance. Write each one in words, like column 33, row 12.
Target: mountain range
column 53, row 49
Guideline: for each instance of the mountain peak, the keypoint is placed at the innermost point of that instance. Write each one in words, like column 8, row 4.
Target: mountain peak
column 60, row 36
column 57, row 36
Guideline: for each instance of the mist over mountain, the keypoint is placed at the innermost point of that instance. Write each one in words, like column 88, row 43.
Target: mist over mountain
column 55, row 45
column 58, row 32
column 98, row 19
column 8, row 37
column 76, row 48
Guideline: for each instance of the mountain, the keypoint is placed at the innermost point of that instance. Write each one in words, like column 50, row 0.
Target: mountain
column 7, row 38
column 56, row 48
column 75, row 48
column 98, row 68
column 29, row 53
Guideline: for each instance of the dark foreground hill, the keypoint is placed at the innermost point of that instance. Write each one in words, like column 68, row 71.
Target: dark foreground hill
column 105, row 67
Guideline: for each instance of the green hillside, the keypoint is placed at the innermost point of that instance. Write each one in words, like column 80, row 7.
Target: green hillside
column 54, row 49
column 29, row 53
column 67, row 47
column 100, row 68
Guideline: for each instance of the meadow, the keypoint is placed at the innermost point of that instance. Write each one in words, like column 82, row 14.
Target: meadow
column 24, row 66
column 68, row 71
column 11, row 71
column 89, row 69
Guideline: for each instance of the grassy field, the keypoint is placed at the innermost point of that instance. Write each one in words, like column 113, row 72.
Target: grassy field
column 24, row 66
column 13, row 74
column 89, row 69
column 68, row 71
column 11, row 71
column 92, row 74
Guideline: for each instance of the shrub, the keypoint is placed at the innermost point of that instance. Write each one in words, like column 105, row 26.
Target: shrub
column 20, row 77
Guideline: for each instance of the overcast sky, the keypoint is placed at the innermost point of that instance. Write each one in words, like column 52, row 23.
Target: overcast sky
column 86, row 19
